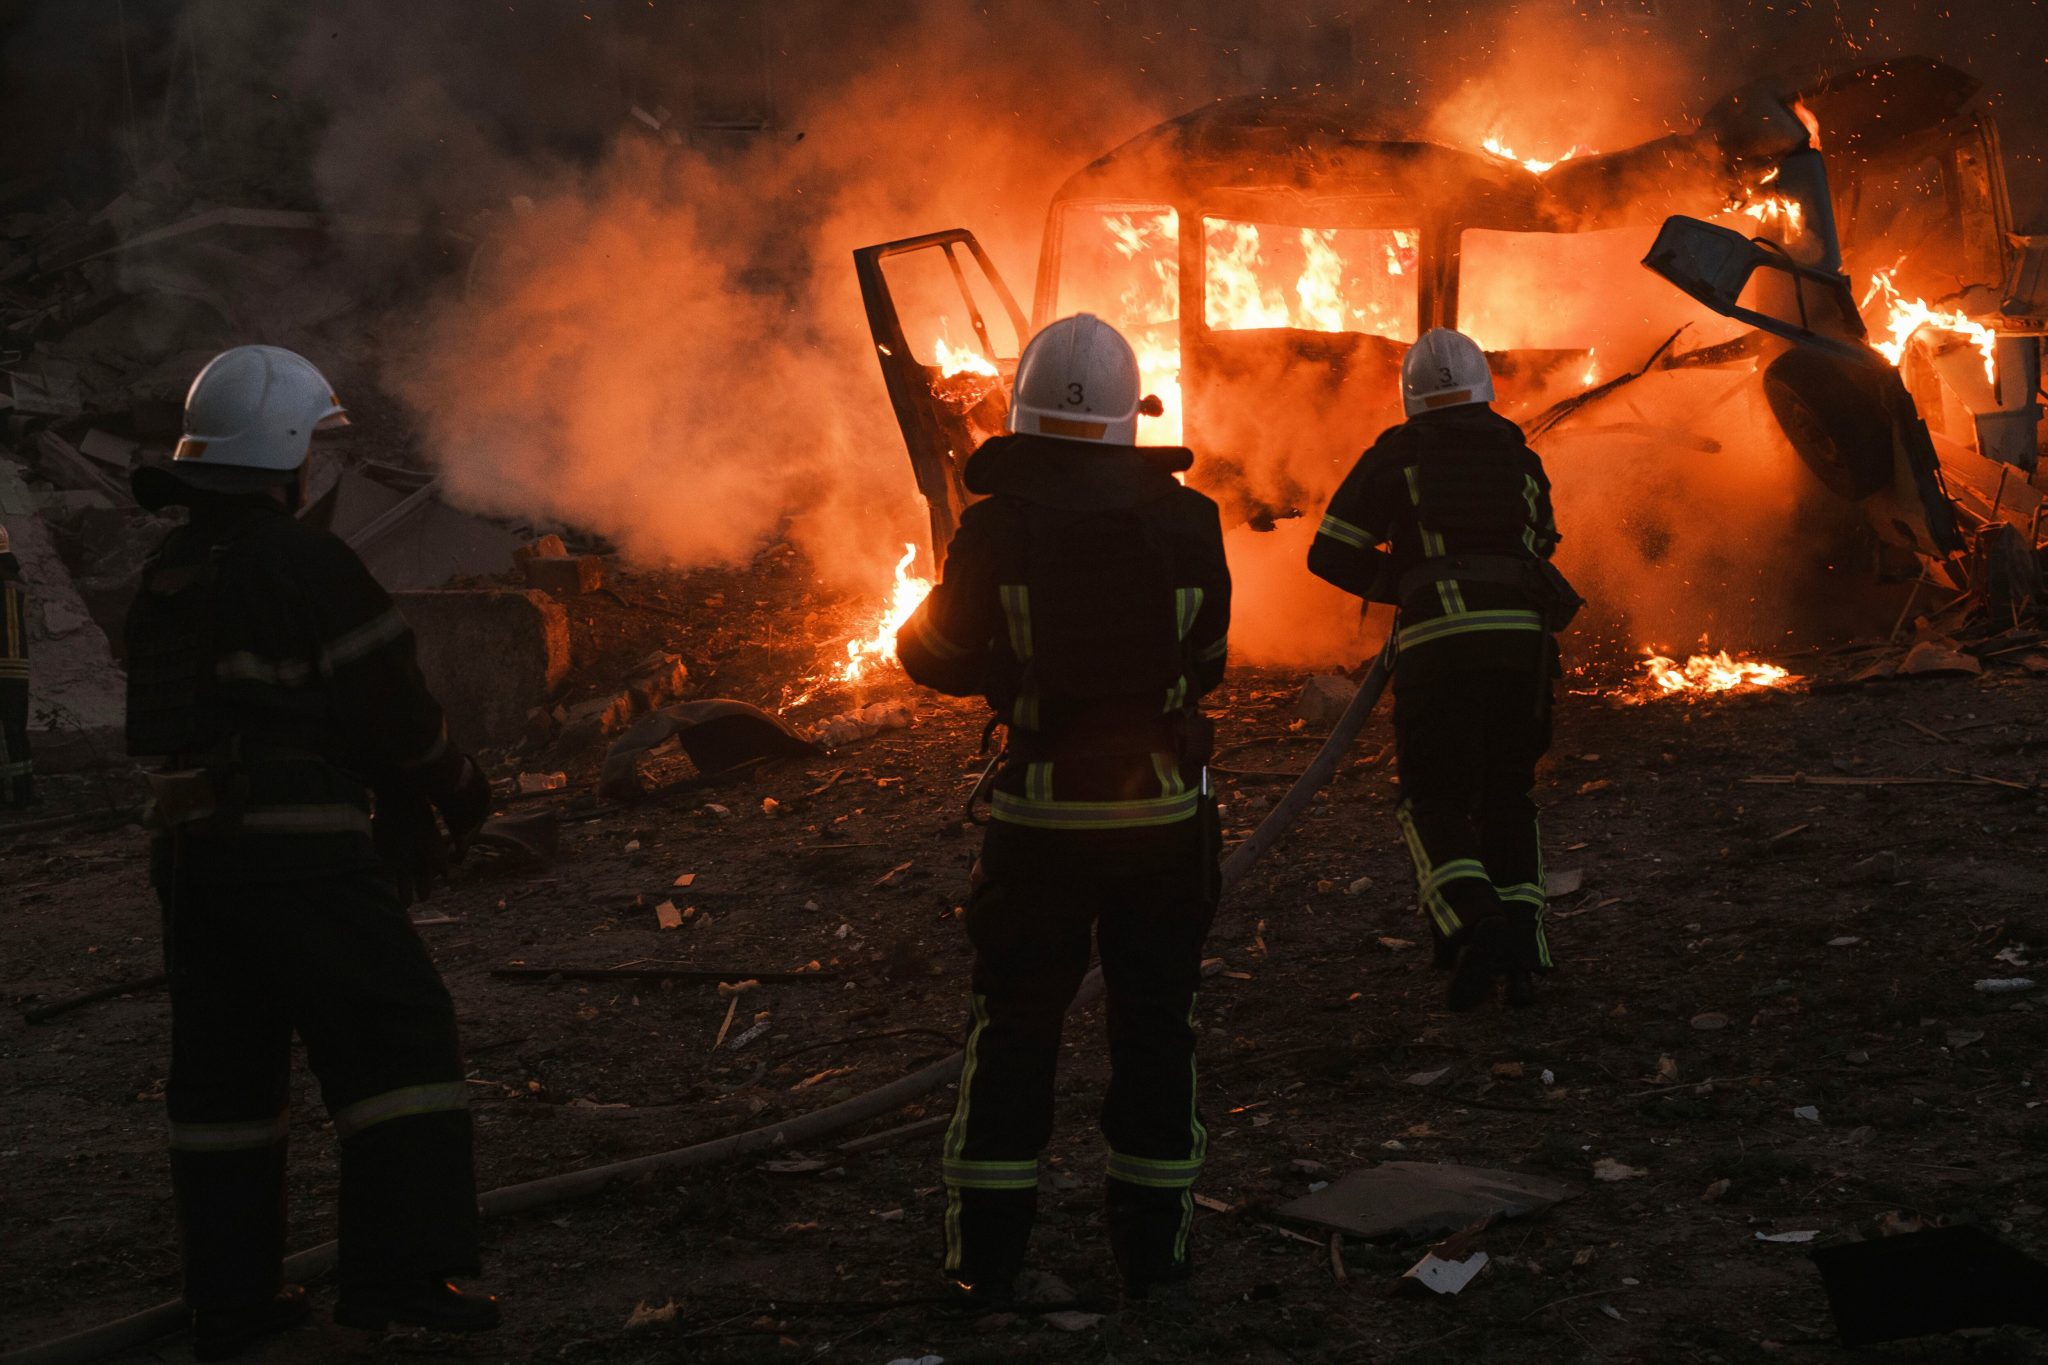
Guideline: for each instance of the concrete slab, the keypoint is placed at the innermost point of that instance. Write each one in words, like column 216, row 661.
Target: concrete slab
column 77, row 694
column 490, row 656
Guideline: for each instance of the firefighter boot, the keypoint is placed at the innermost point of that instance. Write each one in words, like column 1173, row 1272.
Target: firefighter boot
column 1444, row 947
column 430, row 1303
column 1148, row 1236
column 1524, row 957
column 224, row 1333
column 1485, row 955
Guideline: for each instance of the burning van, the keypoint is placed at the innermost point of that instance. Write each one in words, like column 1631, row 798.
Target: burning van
column 1271, row 259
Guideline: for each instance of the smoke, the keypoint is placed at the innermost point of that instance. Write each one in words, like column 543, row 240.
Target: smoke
column 666, row 344
column 660, row 337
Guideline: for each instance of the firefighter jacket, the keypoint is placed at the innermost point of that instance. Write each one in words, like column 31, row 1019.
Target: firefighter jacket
column 278, row 680
column 1463, row 506
column 1087, row 597
column 13, row 622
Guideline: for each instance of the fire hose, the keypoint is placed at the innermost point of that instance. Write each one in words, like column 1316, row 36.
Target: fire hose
column 136, row 1330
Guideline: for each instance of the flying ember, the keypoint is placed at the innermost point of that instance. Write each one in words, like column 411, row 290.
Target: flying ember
column 878, row 648
column 1703, row 674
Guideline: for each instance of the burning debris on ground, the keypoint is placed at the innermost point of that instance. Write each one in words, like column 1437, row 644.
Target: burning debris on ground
column 620, row 453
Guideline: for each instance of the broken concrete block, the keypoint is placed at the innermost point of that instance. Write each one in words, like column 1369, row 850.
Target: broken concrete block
column 490, row 656
column 567, row 576
column 599, row 716
column 116, row 452
column 546, row 547
column 1323, row 699
column 658, row 680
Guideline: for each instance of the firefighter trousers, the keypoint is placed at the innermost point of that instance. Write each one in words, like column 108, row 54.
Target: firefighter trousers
column 336, row 961
column 1029, row 920
column 1467, row 743
column 17, row 780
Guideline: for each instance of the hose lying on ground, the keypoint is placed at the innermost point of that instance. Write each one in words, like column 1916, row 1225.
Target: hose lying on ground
column 129, row 1333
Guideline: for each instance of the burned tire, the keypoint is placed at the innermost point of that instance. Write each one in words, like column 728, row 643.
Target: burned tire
column 1835, row 418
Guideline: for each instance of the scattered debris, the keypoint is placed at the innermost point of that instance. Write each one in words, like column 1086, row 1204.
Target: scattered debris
column 1938, row 659
column 1072, row 1320
column 2004, row 985
column 1415, row 1199
column 534, row 784
column 668, row 916
column 1564, row 881
column 1324, row 699
column 643, row 1316
column 1709, row 1022
column 1439, row 1276
column 853, row 726
column 718, row 734
column 1788, row 1237
column 1807, row 1112
column 1608, row 1169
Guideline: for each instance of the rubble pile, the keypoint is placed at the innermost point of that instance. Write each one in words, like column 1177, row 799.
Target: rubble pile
column 106, row 314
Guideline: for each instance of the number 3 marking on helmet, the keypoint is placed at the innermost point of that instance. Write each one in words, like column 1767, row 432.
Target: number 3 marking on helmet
column 1443, row 375
column 1076, row 395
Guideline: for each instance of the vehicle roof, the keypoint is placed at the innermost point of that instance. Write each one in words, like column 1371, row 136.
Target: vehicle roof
column 1303, row 156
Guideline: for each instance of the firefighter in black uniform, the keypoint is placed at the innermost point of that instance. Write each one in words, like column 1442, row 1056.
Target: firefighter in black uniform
column 1086, row 596
column 17, row 774
column 277, row 679
column 1463, row 505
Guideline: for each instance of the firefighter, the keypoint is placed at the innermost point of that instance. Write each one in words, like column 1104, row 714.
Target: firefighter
column 1087, row 598
column 17, row 775
column 1463, row 506
column 278, row 681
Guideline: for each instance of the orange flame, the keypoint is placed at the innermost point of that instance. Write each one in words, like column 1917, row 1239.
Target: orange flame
column 1905, row 317
column 1496, row 147
column 1705, row 674
column 1771, row 210
column 878, row 648
column 966, row 360
column 1149, row 305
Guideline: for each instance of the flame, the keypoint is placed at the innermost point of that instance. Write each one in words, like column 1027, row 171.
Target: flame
column 1904, row 318
column 963, row 361
column 1150, row 305
column 1704, row 674
column 1239, row 291
column 1772, row 209
column 878, row 648
column 1496, row 147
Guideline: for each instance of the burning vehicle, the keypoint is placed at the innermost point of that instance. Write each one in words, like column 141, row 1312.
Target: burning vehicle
column 1271, row 259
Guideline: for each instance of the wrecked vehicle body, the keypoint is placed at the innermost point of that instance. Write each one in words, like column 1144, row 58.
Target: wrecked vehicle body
column 1271, row 259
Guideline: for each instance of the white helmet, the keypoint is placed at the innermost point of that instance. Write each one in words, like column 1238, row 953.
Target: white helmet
column 1444, row 369
column 1077, row 381
column 254, row 408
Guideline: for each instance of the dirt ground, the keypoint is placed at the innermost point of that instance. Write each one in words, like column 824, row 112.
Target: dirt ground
column 1737, row 951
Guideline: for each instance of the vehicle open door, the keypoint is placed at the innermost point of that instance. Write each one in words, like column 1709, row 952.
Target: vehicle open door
column 1841, row 404
column 947, row 333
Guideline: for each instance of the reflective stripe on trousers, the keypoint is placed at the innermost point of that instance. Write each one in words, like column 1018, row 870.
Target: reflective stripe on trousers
column 433, row 1098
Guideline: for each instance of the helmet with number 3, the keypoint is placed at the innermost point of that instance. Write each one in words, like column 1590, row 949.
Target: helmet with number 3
column 1077, row 381
column 1444, row 369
